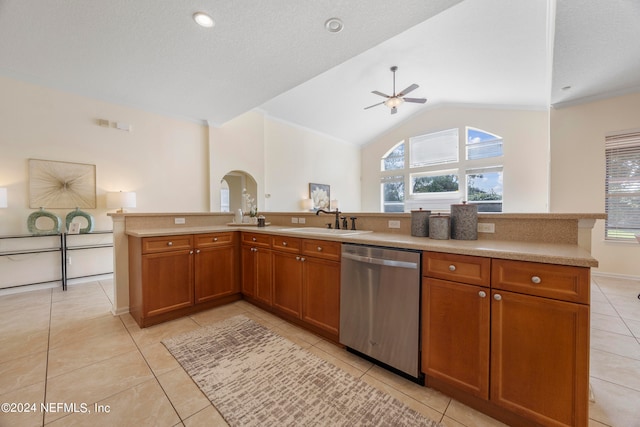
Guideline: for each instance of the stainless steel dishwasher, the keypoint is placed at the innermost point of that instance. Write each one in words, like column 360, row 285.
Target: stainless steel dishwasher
column 380, row 305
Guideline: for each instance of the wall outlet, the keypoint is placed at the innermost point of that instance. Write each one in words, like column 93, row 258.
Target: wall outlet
column 302, row 220
column 179, row 221
column 294, row 220
column 486, row 227
column 394, row 224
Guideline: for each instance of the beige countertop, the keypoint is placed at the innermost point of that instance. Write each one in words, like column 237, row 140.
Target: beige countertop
column 549, row 253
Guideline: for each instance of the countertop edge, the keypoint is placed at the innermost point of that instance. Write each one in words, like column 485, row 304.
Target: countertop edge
column 548, row 253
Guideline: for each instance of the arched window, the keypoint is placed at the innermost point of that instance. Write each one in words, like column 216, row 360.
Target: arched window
column 434, row 170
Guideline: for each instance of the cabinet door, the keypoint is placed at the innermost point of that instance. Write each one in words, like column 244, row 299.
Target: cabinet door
column 321, row 294
column 168, row 281
column 539, row 358
column 455, row 334
column 249, row 270
column 287, row 283
column 214, row 273
column 262, row 260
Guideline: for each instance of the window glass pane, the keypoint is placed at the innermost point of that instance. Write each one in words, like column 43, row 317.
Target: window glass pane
column 434, row 148
column 481, row 145
column 426, row 184
column 395, row 159
column 393, row 194
column 484, row 188
column 622, row 188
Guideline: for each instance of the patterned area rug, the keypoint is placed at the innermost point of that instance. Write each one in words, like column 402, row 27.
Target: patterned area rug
column 255, row 377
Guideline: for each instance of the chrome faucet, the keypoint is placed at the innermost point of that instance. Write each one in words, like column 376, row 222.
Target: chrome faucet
column 336, row 213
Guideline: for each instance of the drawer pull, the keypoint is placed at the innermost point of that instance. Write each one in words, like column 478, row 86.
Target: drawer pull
column 482, row 294
column 302, row 259
column 197, row 251
column 497, row 297
column 215, row 239
column 253, row 239
column 452, row 267
column 284, row 243
column 536, row 280
column 190, row 252
column 297, row 258
column 254, row 250
column 319, row 248
column 169, row 243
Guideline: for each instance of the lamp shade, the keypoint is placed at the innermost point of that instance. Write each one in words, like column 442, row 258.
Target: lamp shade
column 121, row 199
column 3, row 198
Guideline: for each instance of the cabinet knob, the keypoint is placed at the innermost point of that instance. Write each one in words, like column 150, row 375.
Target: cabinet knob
column 302, row 259
column 254, row 250
column 497, row 297
column 215, row 239
column 197, row 251
column 319, row 248
column 536, row 280
column 452, row 267
column 253, row 239
column 297, row 258
column 190, row 252
column 169, row 243
column 284, row 243
column 482, row 294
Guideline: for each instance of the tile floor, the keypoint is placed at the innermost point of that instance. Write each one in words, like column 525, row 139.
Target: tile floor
column 66, row 348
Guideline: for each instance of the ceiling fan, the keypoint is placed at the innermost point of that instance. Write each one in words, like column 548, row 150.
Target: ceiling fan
column 397, row 98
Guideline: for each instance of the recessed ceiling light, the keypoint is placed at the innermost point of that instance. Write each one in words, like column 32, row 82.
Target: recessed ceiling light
column 334, row 25
column 203, row 19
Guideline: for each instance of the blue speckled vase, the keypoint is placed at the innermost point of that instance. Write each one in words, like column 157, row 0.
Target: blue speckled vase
column 33, row 218
column 71, row 215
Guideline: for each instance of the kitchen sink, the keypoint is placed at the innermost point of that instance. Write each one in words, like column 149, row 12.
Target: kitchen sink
column 326, row 231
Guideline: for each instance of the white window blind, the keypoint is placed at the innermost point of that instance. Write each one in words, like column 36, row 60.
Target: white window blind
column 434, row 148
column 622, row 186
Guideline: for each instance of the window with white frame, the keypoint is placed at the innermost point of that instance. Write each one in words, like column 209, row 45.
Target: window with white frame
column 622, row 186
column 435, row 170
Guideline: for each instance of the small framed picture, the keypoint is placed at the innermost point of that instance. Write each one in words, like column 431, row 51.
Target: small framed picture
column 320, row 194
column 74, row 228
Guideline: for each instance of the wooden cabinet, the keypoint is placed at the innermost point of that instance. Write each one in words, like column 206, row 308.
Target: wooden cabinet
column 455, row 321
column 171, row 276
column 540, row 341
column 256, row 267
column 306, row 282
column 216, row 266
column 515, row 346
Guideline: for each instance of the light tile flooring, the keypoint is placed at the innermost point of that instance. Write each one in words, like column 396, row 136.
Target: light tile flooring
column 66, row 348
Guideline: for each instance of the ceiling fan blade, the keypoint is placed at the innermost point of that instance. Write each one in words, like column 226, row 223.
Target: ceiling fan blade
column 394, row 110
column 418, row 100
column 374, row 105
column 407, row 90
column 380, row 93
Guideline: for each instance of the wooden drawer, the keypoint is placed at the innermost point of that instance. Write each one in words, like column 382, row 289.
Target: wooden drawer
column 321, row 249
column 286, row 244
column 560, row 282
column 256, row 239
column 473, row 270
column 166, row 243
column 213, row 239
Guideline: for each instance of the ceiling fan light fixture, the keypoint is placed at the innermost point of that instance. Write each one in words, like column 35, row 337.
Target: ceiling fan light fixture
column 393, row 102
column 203, row 19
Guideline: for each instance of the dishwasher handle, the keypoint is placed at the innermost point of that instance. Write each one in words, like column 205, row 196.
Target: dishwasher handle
column 380, row 261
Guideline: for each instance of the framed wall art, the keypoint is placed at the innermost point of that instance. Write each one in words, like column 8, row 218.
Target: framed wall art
column 320, row 194
column 58, row 185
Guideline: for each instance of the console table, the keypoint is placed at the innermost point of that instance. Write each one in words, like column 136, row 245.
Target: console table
column 63, row 246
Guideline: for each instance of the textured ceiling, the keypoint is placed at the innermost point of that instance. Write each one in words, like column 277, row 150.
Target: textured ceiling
column 278, row 57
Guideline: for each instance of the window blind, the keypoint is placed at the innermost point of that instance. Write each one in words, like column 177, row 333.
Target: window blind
column 622, row 186
column 434, row 148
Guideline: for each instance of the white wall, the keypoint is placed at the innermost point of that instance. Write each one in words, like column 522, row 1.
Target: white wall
column 578, row 170
column 526, row 151
column 296, row 157
column 163, row 160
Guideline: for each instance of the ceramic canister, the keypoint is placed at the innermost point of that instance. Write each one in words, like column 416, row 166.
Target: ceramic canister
column 420, row 223
column 439, row 227
column 464, row 221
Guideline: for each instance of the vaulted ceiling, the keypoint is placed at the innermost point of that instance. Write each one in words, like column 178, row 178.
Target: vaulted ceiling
column 279, row 57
